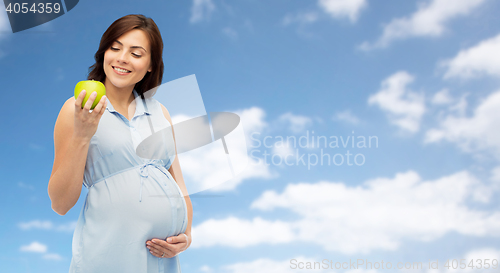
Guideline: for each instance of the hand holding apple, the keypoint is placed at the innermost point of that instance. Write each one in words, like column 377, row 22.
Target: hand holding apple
column 90, row 87
column 86, row 121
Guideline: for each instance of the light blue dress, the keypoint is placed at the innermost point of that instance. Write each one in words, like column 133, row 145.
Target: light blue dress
column 130, row 199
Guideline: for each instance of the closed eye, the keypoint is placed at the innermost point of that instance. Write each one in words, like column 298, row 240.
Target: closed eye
column 135, row 55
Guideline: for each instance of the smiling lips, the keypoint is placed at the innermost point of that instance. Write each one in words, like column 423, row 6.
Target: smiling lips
column 120, row 71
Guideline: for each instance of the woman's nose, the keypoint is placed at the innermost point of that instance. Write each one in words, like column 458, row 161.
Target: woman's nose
column 123, row 57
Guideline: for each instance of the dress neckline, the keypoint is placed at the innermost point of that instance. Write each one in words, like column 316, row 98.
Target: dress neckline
column 139, row 107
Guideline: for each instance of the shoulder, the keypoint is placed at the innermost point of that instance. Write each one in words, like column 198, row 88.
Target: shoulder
column 65, row 119
column 165, row 112
column 69, row 104
column 68, row 109
column 158, row 106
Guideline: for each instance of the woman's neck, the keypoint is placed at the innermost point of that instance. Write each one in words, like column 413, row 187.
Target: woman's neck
column 119, row 97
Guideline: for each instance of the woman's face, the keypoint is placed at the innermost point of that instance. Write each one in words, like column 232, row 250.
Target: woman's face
column 130, row 52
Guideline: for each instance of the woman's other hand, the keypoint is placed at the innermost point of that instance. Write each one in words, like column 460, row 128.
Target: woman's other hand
column 86, row 122
column 170, row 247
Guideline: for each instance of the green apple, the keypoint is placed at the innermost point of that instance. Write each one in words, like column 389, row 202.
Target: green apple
column 90, row 87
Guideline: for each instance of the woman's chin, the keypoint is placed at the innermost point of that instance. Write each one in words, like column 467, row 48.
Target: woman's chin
column 121, row 85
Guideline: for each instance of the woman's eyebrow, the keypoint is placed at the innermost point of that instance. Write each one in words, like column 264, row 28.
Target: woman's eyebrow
column 132, row 46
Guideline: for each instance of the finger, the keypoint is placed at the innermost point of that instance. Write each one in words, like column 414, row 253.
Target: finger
column 91, row 99
column 158, row 252
column 161, row 245
column 79, row 99
column 160, row 242
column 98, row 108
column 173, row 248
column 181, row 238
column 155, row 252
column 104, row 108
column 160, row 249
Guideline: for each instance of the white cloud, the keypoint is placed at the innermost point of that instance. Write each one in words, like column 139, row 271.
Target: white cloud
column 47, row 225
column 52, row 256
column 42, row 249
column 68, row 227
column 377, row 215
column 4, row 22
column 346, row 116
column 460, row 106
column 428, row 21
column 478, row 133
column 481, row 59
column 36, row 147
column 240, row 233
column 384, row 211
column 36, row 224
column 297, row 123
column 180, row 118
column 253, row 120
column 343, row 8
column 337, row 9
column 207, row 167
column 442, row 97
column 201, row 10
column 230, row 32
column 206, row 268
column 403, row 107
column 283, row 148
column 495, row 174
column 25, row 186
column 4, row 28
column 248, row 25
column 34, row 247
column 483, row 254
column 302, row 20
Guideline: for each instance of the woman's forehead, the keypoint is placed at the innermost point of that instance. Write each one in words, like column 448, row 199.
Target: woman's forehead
column 134, row 38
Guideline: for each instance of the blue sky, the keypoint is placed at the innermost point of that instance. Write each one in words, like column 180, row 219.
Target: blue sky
column 420, row 76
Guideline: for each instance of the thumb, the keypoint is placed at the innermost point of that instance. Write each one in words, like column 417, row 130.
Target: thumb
column 177, row 239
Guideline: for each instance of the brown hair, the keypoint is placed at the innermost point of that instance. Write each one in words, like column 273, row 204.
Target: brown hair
column 118, row 28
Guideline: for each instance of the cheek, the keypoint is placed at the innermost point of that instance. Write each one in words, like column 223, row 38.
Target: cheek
column 106, row 58
column 141, row 65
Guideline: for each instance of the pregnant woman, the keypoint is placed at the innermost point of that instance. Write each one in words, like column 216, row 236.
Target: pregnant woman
column 137, row 214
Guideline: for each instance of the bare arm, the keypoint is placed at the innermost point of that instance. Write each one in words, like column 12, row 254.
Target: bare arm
column 70, row 152
column 175, row 170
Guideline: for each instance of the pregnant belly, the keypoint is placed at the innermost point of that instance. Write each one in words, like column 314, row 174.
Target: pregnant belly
column 117, row 208
column 114, row 226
